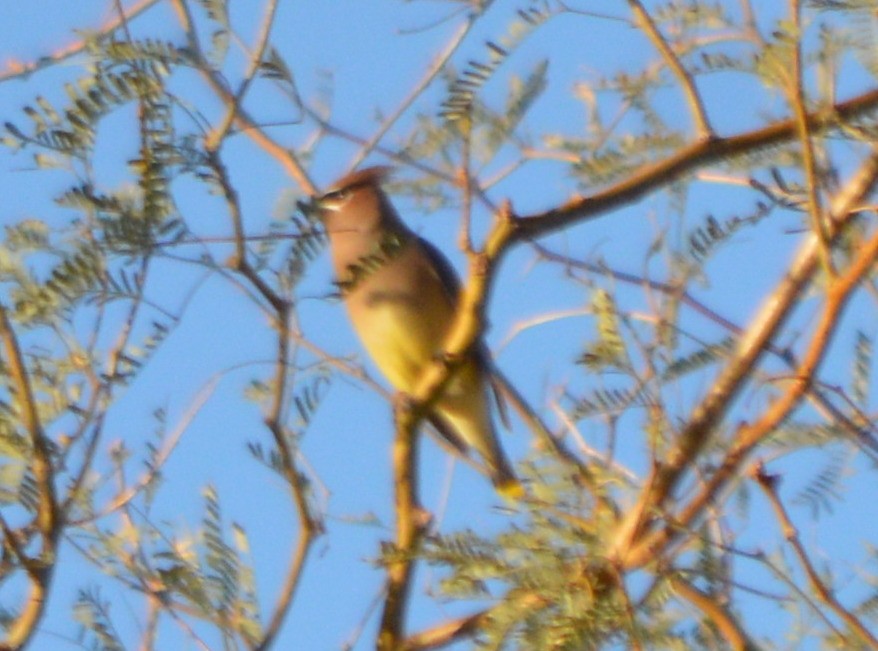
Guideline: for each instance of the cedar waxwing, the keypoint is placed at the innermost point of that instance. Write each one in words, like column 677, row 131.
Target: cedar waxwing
column 401, row 295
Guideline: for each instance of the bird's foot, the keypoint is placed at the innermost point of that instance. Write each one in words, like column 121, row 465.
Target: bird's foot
column 402, row 403
column 422, row 518
column 448, row 360
column 482, row 265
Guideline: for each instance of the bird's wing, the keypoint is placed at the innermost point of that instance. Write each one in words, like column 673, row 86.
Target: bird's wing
column 447, row 434
column 448, row 277
column 444, row 270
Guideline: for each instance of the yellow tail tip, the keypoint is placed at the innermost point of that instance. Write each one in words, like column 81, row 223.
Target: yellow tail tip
column 510, row 489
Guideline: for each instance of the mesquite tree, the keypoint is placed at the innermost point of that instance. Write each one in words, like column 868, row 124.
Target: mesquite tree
column 662, row 218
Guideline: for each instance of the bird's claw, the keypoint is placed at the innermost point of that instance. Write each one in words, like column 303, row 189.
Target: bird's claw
column 402, row 403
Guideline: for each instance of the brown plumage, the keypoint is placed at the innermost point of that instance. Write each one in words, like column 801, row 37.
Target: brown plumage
column 401, row 295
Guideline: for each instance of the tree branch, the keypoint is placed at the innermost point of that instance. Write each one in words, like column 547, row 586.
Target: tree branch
column 722, row 619
column 689, row 158
column 643, row 20
column 16, row 69
column 242, row 119
column 768, row 484
column 776, row 309
column 40, row 569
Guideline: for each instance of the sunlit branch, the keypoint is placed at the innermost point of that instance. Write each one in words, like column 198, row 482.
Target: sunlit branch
column 446, row 633
column 411, row 523
column 719, row 616
column 837, row 296
column 691, row 157
column 775, row 310
column 411, row 519
column 48, row 521
column 750, row 24
column 150, row 629
column 466, row 182
column 461, row 628
column 749, row 435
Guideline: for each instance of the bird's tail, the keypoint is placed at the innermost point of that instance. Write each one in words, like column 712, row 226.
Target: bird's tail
column 511, row 489
column 467, row 414
column 505, row 480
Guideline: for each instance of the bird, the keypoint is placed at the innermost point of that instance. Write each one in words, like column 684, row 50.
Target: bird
column 401, row 295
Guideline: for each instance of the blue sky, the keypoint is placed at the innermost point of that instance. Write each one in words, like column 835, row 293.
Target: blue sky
column 224, row 336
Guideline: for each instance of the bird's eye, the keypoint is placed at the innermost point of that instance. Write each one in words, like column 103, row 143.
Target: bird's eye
column 338, row 195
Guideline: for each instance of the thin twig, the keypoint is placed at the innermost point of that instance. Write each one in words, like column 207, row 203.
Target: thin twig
column 214, row 139
column 768, row 484
column 434, row 69
column 642, row 18
column 860, row 434
column 796, row 92
column 243, row 121
column 16, row 69
column 725, row 623
column 157, row 462
column 309, row 525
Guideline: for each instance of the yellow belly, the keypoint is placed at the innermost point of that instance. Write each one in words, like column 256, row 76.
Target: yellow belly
column 401, row 342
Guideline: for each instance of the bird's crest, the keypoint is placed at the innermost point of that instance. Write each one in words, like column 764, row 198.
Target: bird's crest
column 368, row 176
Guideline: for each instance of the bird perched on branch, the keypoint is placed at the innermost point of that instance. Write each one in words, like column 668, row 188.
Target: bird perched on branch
column 401, row 295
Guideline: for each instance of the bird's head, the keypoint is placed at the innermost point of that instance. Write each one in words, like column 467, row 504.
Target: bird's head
column 355, row 202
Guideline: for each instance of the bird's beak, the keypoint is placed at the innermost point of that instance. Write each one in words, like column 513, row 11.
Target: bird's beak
column 311, row 207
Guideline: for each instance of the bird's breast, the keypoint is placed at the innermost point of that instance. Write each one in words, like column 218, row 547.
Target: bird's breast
column 401, row 313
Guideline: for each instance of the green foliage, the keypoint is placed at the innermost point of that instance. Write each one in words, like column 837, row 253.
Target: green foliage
column 703, row 240
column 794, row 435
column 218, row 12
column 612, row 402
column 228, row 584
column 609, row 350
column 560, row 591
column 308, row 399
column 274, row 67
column 461, row 100
column 96, row 288
column 93, row 615
column 71, row 131
column 308, row 242
column 304, row 403
column 697, row 360
column 861, row 374
column 825, row 487
column 504, row 125
column 134, row 53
